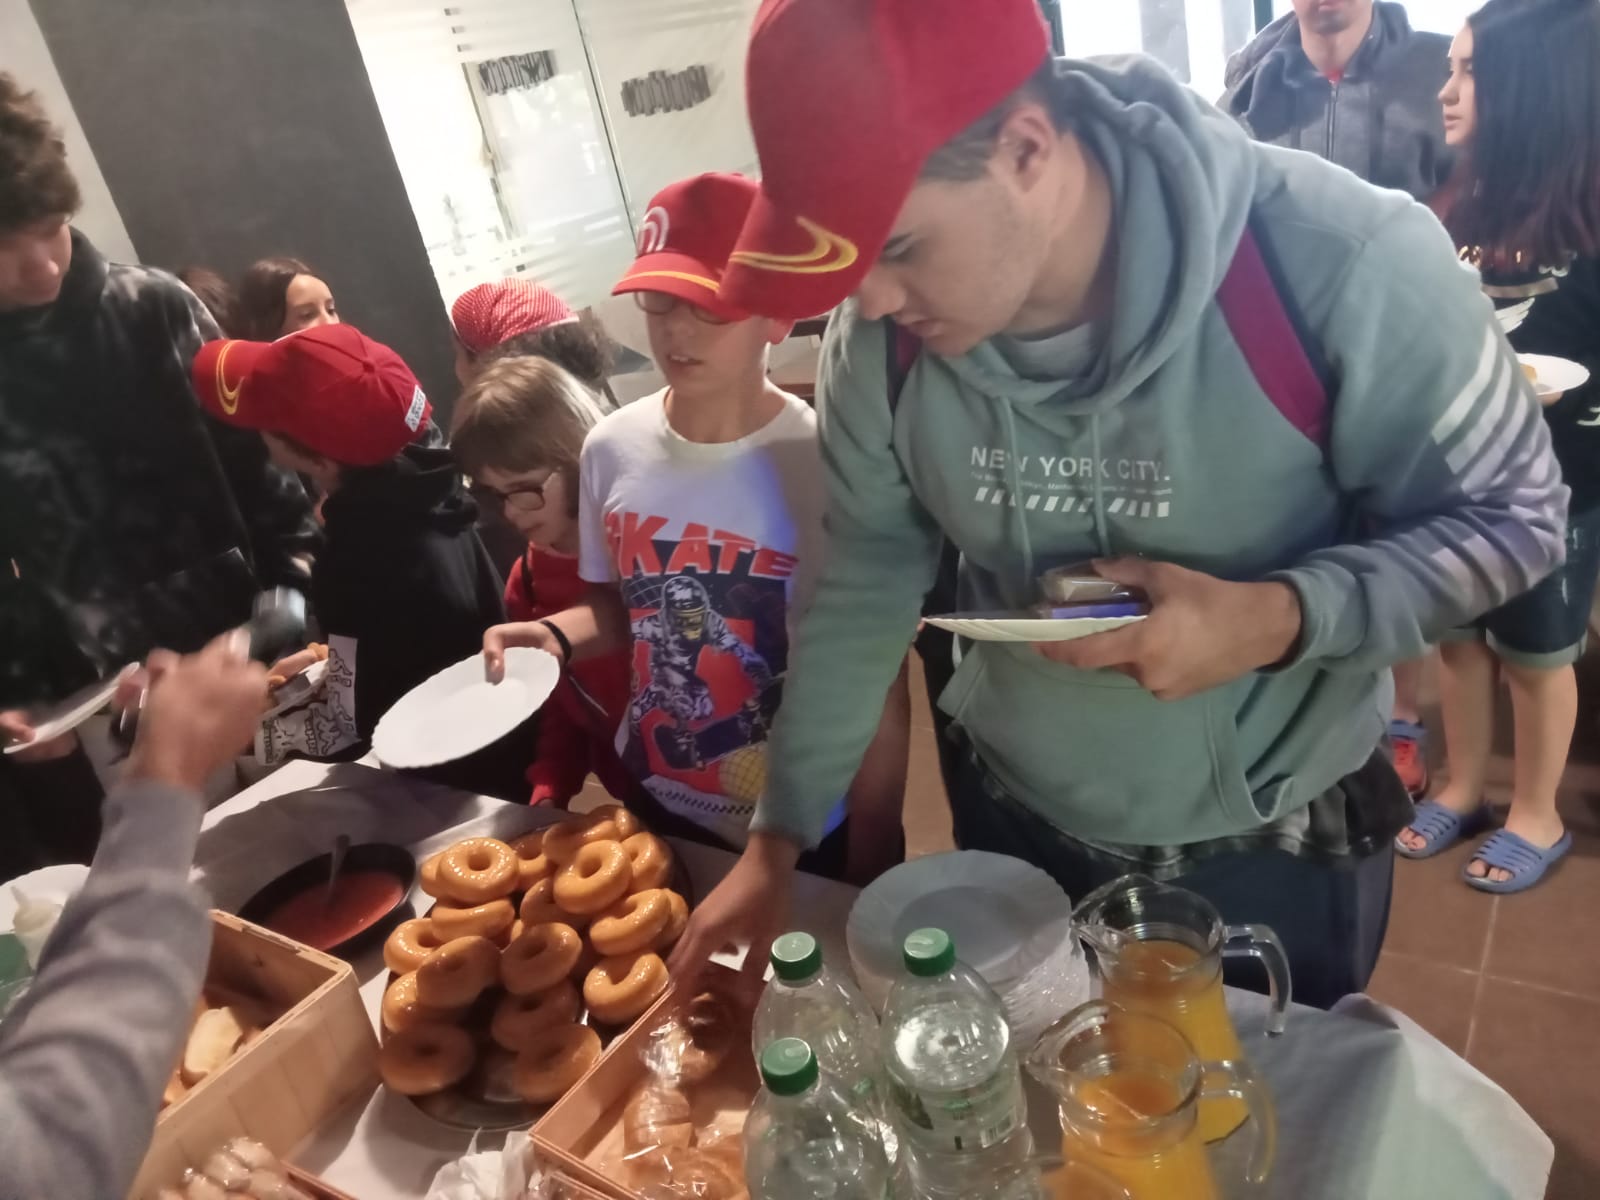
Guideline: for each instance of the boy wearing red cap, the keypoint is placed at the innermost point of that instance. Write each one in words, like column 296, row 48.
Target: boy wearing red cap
column 700, row 523
column 1093, row 320
column 403, row 587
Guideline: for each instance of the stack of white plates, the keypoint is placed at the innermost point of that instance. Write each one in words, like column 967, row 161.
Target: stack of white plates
column 1009, row 921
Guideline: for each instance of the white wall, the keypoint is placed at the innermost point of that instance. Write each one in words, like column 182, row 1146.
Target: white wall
column 23, row 53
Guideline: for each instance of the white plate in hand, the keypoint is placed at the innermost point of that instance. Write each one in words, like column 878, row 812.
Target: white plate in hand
column 1006, row 627
column 66, row 715
column 1554, row 376
column 458, row 711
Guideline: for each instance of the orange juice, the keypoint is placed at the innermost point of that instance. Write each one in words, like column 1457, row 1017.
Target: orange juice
column 1142, row 1141
column 1165, row 979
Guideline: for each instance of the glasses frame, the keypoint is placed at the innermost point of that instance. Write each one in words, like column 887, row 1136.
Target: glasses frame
column 530, row 499
column 659, row 304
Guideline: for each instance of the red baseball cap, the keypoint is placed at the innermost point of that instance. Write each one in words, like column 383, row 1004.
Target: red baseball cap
column 685, row 240
column 847, row 100
column 330, row 388
column 491, row 313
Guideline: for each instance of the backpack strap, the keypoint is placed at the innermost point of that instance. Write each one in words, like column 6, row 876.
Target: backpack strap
column 1272, row 336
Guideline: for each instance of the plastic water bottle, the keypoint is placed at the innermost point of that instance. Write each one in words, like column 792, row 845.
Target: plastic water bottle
column 805, row 1139
column 954, row 1087
column 807, row 1000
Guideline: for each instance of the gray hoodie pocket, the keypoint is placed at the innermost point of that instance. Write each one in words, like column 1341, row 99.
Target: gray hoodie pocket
column 1098, row 755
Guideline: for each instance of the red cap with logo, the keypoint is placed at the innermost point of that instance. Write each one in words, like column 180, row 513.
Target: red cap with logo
column 847, row 100
column 491, row 313
column 685, row 240
column 330, row 388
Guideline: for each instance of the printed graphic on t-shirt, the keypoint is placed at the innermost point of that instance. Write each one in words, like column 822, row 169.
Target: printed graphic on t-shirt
column 709, row 652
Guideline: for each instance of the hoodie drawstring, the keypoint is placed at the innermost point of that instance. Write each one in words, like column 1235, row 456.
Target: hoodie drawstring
column 1101, row 533
column 1010, row 421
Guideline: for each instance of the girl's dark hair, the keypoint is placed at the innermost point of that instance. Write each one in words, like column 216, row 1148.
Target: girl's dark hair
column 1530, row 182
column 213, row 291
column 580, row 347
column 263, row 297
column 35, row 181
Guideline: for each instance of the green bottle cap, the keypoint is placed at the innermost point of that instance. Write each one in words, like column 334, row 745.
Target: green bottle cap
column 796, row 957
column 929, row 952
column 788, row 1067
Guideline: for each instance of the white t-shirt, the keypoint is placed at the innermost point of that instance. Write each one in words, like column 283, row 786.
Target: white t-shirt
column 715, row 548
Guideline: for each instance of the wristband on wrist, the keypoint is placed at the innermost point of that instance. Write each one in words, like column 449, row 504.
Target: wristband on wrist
column 561, row 640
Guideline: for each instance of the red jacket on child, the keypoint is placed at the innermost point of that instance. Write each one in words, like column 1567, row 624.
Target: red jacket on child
column 578, row 724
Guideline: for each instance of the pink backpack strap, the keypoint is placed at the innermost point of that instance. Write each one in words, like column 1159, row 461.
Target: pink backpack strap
column 1279, row 352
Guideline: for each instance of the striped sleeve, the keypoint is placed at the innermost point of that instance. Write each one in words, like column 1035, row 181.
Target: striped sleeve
column 1439, row 440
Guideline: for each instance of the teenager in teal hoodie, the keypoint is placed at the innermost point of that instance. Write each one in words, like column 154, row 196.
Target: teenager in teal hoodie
column 1055, row 236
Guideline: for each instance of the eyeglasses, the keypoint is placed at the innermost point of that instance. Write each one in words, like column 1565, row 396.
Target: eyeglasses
column 659, row 304
column 518, row 499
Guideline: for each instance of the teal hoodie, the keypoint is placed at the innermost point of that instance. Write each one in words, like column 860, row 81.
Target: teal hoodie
column 1170, row 449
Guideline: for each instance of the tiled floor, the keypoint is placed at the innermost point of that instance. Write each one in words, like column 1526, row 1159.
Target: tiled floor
column 1511, row 982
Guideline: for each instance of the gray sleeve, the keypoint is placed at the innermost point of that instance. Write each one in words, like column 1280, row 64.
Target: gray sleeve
column 86, row 1052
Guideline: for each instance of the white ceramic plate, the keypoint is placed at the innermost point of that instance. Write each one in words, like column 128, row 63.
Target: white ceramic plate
column 66, row 715
column 56, row 885
column 1004, row 916
column 457, row 711
column 1554, row 376
column 1002, row 628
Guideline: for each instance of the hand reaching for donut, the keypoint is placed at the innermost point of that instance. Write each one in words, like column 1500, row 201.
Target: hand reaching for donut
column 750, row 906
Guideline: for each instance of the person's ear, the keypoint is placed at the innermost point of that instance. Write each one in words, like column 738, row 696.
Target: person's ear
column 778, row 331
column 1027, row 142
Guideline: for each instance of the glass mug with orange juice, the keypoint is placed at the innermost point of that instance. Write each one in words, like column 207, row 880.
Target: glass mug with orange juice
column 1130, row 1089
column 1159, row 950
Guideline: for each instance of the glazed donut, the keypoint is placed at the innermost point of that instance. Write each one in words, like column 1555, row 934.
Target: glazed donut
column 627, row 824
column 540, row 958
column 676, row 924
column 410, row 943
column 456, row 974
column 650, row 859
column 402, row 1010
column 517, row 1018
column 486, row 920
column 554, row 1060
column 587, row 959
column 704, row 1034
column 518, row 928
column 425, row 1059
column 619, row 989
column 532, row 865
column 631, row 924
column 595, row 880
column 428, row 876
column 478, row 870
column 539, row 906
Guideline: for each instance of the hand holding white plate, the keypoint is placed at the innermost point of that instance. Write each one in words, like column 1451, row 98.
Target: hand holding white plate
column 1022, row 627
column 458, row 711
column 1553, row 377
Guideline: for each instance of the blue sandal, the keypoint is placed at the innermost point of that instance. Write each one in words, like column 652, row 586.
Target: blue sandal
column 1526, row 862
column 1441, row 828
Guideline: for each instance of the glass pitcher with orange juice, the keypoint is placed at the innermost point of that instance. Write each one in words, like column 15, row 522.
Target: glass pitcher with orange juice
column 1130, row 1089
column 1159, row 950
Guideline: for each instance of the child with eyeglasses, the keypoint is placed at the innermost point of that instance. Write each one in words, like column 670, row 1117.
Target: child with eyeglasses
column 517, row 433
column 700, row 531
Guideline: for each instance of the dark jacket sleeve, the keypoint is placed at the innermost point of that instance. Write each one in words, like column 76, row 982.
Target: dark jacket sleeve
column 273, row 506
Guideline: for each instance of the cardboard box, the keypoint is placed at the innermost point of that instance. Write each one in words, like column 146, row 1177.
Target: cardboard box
column 581, row 1134
column 315, row 1058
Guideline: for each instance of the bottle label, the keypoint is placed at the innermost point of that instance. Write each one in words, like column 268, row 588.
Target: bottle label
column 972, row 1119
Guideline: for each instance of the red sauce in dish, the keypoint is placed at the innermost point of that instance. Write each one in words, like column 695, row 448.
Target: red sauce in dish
column 360, row 900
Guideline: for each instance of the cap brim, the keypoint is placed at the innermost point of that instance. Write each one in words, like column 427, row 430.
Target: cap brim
column 219, row 373
column 790, row 267
column 682, row 276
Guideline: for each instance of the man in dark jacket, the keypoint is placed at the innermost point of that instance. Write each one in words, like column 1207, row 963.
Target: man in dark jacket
column 403, row 587
column 128, row 519
column 1351, row 82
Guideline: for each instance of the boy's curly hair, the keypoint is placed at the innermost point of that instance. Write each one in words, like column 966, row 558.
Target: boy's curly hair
column 35, row 181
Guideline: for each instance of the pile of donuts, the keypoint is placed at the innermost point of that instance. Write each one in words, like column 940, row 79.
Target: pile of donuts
column 523, row 937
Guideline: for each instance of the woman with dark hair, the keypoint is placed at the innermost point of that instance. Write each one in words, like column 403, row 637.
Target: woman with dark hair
column 1522, row 105
column 282, row 295
column 516, row 318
